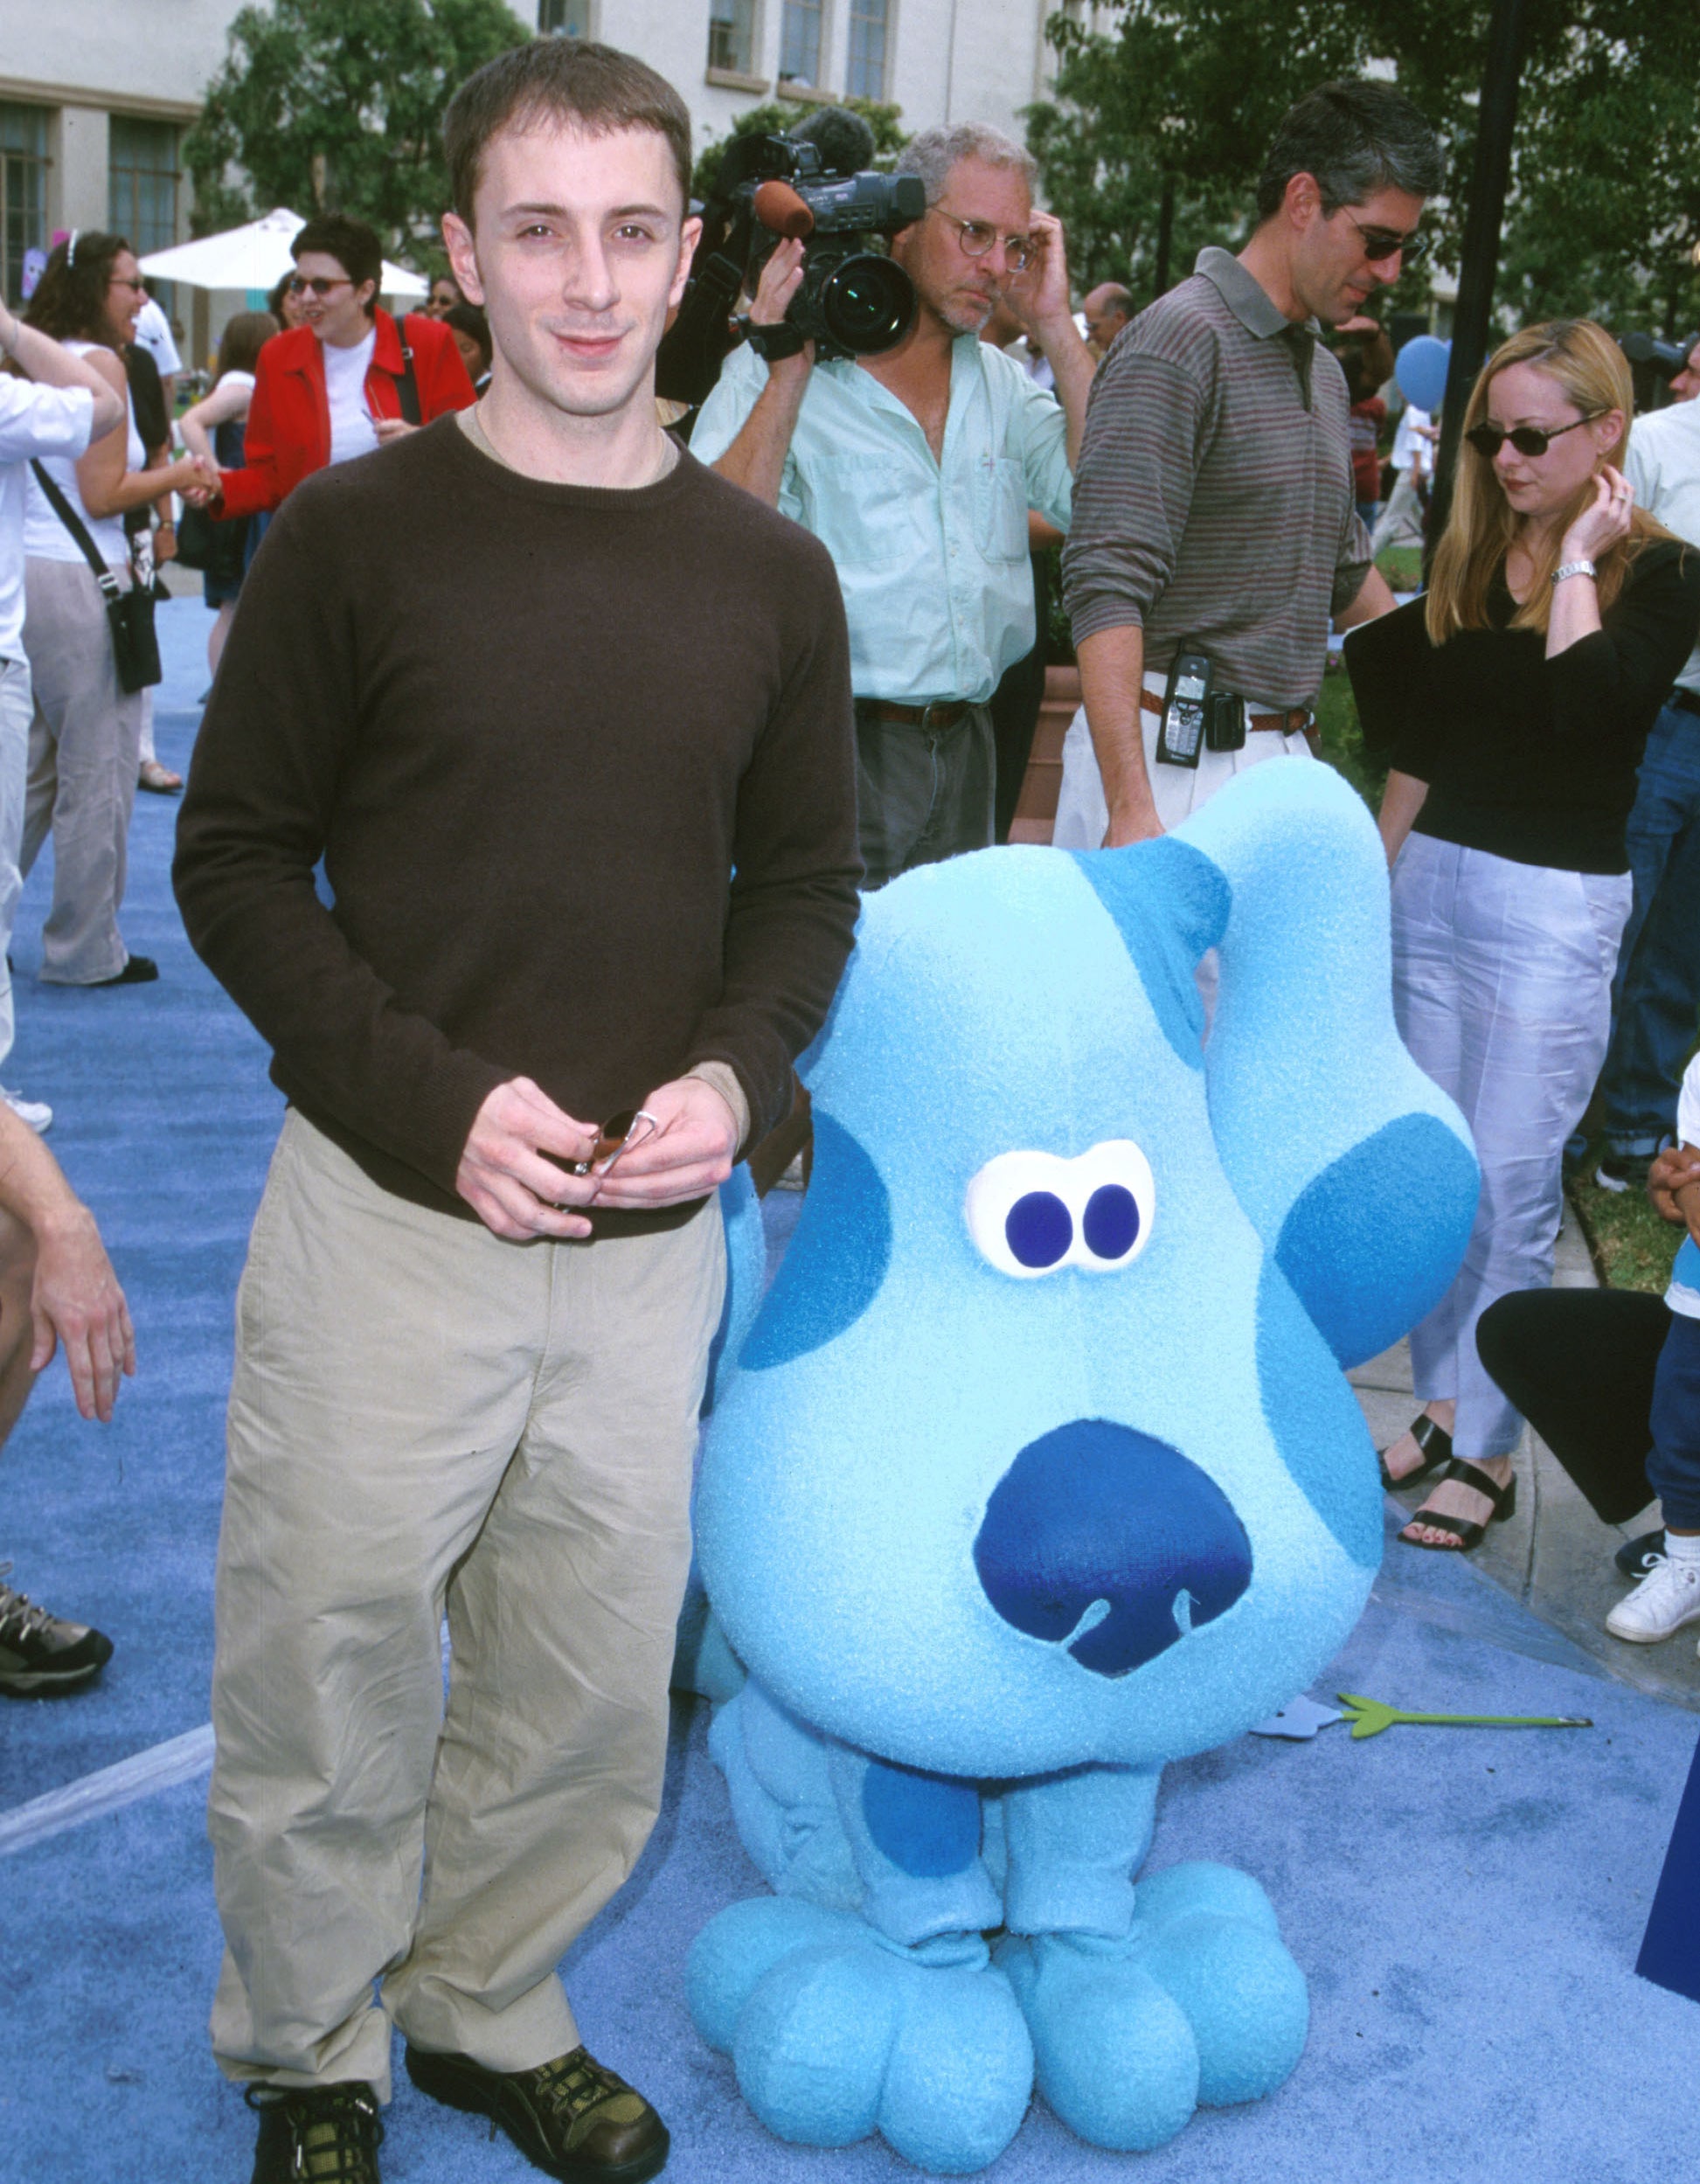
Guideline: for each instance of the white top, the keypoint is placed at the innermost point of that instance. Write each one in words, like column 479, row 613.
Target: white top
column 34, row 421
column 1663, row 466
column 45, row 538
column 1409, row 445
column 1683, row 1295
column 352, row 429
column 153, row 331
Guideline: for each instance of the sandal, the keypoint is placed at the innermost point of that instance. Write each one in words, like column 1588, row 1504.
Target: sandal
column 151, row 774
column 1435, row 1443
column 1469, row 1533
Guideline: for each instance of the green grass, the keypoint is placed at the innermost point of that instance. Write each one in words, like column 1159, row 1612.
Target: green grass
column 1633, row 1249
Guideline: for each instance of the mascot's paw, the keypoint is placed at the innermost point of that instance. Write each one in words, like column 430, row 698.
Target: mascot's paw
column 834, row 2034
column 1113, row 2052
column 1209, row 1936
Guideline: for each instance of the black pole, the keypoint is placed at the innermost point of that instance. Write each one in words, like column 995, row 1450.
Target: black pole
column 1165, row 237
column 1496, row 118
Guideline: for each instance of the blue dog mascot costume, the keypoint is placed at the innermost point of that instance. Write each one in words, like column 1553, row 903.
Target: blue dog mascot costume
column 1037, row 1470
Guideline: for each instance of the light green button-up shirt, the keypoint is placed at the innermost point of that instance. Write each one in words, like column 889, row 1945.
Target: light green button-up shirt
column 931, row 556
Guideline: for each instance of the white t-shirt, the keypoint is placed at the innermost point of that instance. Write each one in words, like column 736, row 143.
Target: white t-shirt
column 352, row 432
column 38, row 422
column 153, row 332
column 45, row 538
column 1683, row 1295
column 1409, row 445
column 1663, row 466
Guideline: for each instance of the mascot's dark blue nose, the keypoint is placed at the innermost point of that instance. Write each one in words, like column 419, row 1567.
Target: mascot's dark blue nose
column 1111, row 1541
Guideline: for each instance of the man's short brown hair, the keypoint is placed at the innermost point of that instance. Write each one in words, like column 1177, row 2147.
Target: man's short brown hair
column 564, row 80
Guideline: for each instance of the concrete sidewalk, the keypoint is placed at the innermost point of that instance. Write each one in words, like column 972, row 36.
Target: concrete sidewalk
column 1554, row 1555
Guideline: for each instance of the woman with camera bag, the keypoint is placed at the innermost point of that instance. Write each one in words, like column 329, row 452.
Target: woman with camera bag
column 1513, row 700
column 88, row 626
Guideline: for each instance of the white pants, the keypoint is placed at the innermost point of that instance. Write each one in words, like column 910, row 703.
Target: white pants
column 1502, row 989
column 1082, row 814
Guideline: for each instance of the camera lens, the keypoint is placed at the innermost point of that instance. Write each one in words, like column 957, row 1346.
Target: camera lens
column 868, row 304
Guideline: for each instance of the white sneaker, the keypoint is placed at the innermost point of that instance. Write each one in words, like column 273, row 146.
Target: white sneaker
column 1667, row 1597
column 36, row 1112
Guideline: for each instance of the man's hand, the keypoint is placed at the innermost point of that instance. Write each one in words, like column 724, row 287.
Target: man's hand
column 389, row 428
column 774, row 292
column 690, row 1152
column 1133, row 821
column 1038, row 294
column 205, row 485
column 503, row 1175
column 165, row 545
column 1673, row 1184
column 74, row 1299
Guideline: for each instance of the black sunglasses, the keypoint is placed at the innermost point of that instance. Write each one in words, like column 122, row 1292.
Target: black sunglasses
column 1527, row 440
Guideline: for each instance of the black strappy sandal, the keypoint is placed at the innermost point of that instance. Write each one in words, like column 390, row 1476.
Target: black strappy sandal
column 1469, row 1533
column 1435, row 1443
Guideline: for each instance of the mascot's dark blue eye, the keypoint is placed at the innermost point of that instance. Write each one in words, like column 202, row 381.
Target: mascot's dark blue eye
column 1038, row 1228
column 1110, row 1224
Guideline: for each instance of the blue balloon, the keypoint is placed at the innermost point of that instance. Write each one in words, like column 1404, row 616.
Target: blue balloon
column 1421, row 371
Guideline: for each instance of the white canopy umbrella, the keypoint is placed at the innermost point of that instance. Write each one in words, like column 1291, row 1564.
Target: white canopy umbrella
column 254, row 258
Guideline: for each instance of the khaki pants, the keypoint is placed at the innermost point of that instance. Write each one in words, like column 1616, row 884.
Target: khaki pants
column 423, row 1416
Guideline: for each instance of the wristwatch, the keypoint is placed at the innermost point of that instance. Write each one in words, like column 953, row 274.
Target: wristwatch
column 1574, row 568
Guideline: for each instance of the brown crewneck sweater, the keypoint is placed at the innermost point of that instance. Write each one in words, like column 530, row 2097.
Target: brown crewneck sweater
column 580, row 766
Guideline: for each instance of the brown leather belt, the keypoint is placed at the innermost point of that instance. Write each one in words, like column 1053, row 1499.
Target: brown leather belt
column 940, row 712
column 1295, row 722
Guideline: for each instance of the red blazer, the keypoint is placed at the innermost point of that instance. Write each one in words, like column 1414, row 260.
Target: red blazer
column 289, row 431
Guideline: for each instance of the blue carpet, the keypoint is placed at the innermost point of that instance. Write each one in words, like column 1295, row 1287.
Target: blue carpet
column 1467, row 1904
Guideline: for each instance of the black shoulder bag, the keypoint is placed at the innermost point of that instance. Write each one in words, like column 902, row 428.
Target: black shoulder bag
column 408, row 385
column 129, row 614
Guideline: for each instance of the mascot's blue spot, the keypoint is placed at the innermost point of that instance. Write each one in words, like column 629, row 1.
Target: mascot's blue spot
column 1170, row 903
column 1314, row 1416
column 926, row 1826
column 1368, row 1243
column 837, row 1259
column 1110, row 1224
column 1104, row 1538
column 1038, row 1228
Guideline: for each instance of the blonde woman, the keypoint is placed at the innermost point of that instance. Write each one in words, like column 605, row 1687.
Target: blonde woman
column 1513, row 700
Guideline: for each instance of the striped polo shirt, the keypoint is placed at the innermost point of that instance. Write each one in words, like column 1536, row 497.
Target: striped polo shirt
column 1213, row 499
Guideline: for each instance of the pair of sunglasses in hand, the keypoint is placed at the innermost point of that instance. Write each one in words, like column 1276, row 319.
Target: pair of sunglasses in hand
column 631, row 1128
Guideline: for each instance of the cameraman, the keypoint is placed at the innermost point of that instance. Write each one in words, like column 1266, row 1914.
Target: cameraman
column 1658, row 978
column 916, row 469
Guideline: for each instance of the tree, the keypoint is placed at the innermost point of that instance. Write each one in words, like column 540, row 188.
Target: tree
column 778, row 116
column 337, row 106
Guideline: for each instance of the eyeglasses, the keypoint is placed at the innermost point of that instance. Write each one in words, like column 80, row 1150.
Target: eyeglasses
column 139, row 287
column 319, row 287
column 1382, row 243
column 976, row 238
column 1527, row 440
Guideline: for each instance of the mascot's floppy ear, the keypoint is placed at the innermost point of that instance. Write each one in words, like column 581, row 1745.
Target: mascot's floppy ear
column 1357, row 1171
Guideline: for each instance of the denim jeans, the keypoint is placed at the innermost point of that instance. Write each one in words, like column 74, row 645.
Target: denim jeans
column 1656, row 997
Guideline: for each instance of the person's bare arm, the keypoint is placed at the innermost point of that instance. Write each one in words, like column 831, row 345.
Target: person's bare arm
column 1402, row 799
column 45, row 361
column 1575, row 611
column 74, row 1297
column 1374, row 598
column 1041, row 536
column 228, row 400
column 106, row 487
column 756, row 459
column 1111, row 679
column 1039, row 298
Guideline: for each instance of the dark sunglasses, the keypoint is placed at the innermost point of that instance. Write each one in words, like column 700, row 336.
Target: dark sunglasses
column 1527, row 440
column 1380, row 244
column 320, row 287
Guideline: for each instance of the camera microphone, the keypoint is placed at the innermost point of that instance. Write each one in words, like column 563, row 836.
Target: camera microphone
column 781, row 211
column 843, row 138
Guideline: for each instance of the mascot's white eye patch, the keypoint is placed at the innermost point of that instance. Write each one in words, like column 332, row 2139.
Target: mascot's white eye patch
column 1034, row 1213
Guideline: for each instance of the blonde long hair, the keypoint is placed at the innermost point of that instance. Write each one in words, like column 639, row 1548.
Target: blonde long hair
column 1587, row 364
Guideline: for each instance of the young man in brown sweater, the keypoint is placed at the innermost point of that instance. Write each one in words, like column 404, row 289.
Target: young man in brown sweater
column 568, row 719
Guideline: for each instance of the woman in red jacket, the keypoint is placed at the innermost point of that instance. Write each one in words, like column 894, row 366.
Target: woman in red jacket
column 339, row 386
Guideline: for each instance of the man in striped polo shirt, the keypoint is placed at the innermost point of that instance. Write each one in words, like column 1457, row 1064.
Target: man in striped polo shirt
column 1213, row 507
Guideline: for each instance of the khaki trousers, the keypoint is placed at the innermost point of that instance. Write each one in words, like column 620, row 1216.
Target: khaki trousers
column 424, row 1417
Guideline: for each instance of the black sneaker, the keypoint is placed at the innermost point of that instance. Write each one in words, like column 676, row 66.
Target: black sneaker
column 1623, row 1171
column 569, row 2117
column 41, row 1657
column 1637, row 1558
column 139, row 970
column 321, row 2134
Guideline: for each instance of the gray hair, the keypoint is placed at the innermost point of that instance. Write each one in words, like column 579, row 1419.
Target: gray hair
column 932, row 154
column 1356, row 137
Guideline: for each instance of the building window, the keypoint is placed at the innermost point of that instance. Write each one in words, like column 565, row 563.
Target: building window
column 564, row 18
column 23, row 191
column 142, row 185
column 731, row 35
column 864, row 73
column 799, row 42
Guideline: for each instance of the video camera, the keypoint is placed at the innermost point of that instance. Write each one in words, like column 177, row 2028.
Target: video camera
column 853, row 302
column 1664, row 359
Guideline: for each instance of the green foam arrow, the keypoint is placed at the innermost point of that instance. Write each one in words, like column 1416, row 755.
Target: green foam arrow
column 1369, row 1717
